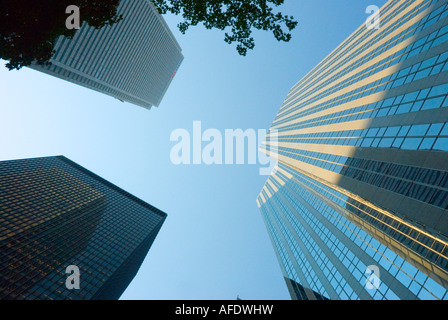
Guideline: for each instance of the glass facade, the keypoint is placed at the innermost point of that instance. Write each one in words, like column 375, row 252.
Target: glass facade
column 357, row 208
column 55, row 214
column 134, row 60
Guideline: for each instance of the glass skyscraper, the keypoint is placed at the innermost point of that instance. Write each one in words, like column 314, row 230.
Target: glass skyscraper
column 357, row 208
column 133, row 60
column 56, row 214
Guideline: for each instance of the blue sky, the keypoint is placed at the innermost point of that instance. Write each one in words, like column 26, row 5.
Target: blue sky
column 214, row 244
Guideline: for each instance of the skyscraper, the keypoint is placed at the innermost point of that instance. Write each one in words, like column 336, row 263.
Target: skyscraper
column 55, row 214
column 358, row 206
column 133, row 60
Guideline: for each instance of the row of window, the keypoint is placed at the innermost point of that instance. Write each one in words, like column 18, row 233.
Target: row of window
column 89, row 46
column 110, row 241
column 308, row 278
column 405, row 180
column 335, row 250
column 425, row 99
column 410, row 137
column 422, row 24
column 404, row 54
column 416, row 72
column 346, row 46
column 333, row 244
column 430, row 67
column 343, row 200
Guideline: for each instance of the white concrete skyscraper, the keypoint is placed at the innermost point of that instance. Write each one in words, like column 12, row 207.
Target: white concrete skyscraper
column 134, row 60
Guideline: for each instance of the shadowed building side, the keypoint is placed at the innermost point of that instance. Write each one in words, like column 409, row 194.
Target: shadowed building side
column 47, row 216
column 299, row 292
column 54, row 214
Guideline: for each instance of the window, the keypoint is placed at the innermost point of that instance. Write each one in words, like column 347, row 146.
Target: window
column 411, row 143
column 441, row 144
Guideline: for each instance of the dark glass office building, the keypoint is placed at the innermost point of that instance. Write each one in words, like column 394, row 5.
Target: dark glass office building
column 55, row 214
column 357, row 208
